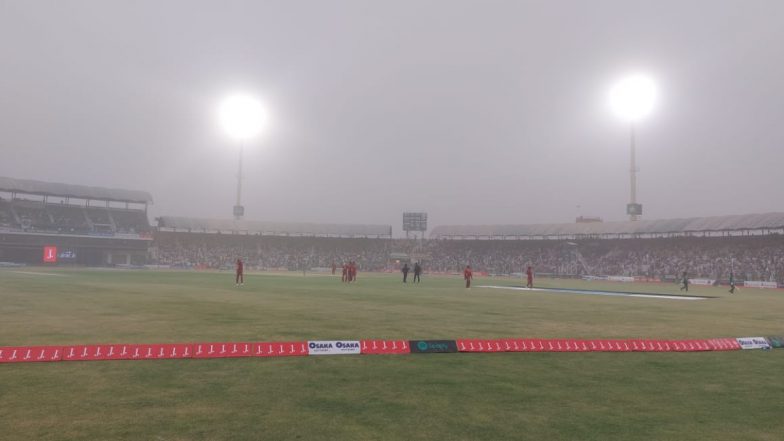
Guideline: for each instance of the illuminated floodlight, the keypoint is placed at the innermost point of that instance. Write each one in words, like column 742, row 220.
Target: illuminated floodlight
column 633, row 98
column 242, row 116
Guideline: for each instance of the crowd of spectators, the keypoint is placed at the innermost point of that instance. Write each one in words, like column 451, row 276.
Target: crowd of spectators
column 750, row 257
column 35, row 216
column 200, row 250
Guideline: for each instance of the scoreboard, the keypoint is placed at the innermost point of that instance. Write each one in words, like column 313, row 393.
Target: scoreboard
column 414, row 222
column 634, row 209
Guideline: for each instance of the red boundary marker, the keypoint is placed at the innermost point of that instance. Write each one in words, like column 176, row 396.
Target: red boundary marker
column 27, row 354
column 384, row 346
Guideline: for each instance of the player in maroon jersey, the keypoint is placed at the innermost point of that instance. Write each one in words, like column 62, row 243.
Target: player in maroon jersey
column 530, row 274
column 238, row 278
column 468, row 275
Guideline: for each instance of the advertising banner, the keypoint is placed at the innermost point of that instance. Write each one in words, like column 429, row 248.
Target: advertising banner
column 776, row 342
column 679, row 346
column 280, row 349
column 698, row 345
column 333, row 347
column 29, row 354
column 702, row 281
column 724, row 344
column 517, row 345
column 79, row 352
column 432, row 346
column 222, row 350
column 384, row 347
column 50, row 254
column 760, row 284
column 753, row 343
column 126, row 352
column 471, row 345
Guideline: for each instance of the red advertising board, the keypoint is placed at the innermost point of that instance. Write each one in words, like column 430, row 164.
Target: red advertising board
column 280, row 349
column 50, row 254
column 384, row 347
column 126, row 352
column 28, row 354
column 223, row 350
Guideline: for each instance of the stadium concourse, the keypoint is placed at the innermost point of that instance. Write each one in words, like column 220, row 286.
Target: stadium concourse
column 752, row 246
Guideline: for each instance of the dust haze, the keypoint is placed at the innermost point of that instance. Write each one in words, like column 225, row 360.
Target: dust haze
column 476, row 112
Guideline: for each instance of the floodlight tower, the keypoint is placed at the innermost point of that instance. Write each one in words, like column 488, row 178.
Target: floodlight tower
column 242, row 117
column 632, row 99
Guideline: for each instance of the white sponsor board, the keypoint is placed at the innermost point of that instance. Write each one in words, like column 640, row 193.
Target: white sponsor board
column 753, row 343
column 760, row 284
column 620, row 278
column 333, row 347
column 702, row 281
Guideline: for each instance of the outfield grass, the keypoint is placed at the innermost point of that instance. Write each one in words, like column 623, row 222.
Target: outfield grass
column 537, row 396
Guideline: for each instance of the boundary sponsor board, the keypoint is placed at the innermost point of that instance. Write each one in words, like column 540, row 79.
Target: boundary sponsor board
column 753, row 343
column 724, row 344
column 126, row 352
column 384, row 347
column 281, row 349
column 50, row 254
column 432, row 346
column 222, row 350
column 17, row 354
column 28, row 354
column 776, row 342
column 333, row 347
column 706, row 282
column 760, row 284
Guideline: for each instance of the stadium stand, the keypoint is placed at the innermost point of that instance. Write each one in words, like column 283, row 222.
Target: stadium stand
column 130, row 221
column 206, row 243
column 107, row 226
column 751, row 245
column 170, row 223
column 35, row 214
column 210, row 250
column 706, row 226
column 31, row 187
column 752, row 257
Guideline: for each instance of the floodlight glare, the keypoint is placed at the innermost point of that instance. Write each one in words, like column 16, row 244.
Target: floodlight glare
column 242, row 116
column 633, row 97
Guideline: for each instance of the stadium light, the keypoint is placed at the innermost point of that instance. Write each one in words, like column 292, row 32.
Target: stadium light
column 243, row 117
column 632, row 99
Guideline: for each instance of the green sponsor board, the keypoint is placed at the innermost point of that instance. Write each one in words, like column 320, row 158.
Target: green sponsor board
column 432, row 346
column 776, row 342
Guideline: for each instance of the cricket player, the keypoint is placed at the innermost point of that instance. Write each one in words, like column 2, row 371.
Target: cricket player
column 238, row 278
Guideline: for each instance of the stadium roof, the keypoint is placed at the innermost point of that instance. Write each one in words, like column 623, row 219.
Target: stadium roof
column 41, row 188
column 742, row 222
column 273, row 228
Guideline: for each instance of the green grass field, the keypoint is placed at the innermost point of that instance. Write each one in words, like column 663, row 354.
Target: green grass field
column 504, row 396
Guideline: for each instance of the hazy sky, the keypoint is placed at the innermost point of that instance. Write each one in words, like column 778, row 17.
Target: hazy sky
column 475, row 111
